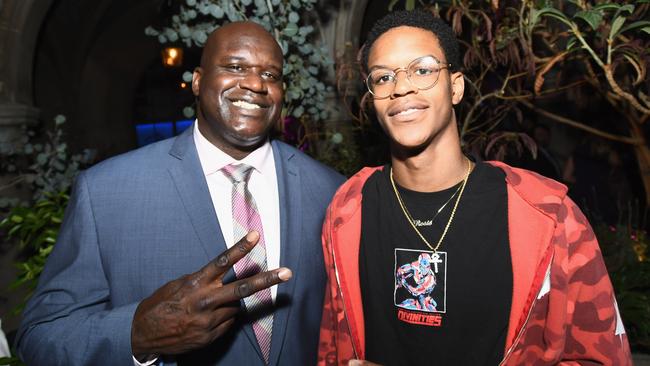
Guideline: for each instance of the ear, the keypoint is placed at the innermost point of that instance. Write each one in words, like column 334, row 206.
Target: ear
column 457, row 87
column 196, row 81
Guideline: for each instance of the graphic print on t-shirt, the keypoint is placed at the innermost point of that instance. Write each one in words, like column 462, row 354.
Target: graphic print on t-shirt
column 420, row 285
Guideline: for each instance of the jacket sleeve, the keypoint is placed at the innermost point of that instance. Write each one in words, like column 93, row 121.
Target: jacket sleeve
column 335, row 345
column 595, row 331
column 69, row 320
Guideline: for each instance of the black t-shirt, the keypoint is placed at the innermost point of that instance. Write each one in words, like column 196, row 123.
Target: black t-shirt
column 446, row 308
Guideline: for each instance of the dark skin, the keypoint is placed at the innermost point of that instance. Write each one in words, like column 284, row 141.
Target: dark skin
column 194, row 310
column 241, row 64
column 239, row 96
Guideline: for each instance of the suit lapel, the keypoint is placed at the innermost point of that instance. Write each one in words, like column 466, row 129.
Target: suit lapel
column 187, row 174
column 289, row 191
column 188, row 177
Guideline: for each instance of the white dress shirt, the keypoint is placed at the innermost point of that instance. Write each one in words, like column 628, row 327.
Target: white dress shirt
column 4, row 346
column 263, row 185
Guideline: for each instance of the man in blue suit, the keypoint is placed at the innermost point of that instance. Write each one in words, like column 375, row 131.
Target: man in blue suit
column 142, row 272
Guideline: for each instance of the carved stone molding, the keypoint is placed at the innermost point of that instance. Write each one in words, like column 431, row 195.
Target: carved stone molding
column 13, row 117
column 20, row 23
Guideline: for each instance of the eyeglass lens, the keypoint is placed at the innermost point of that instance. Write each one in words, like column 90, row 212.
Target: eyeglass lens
column 422, row 73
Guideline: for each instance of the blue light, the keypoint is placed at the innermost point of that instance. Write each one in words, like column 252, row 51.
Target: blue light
column 182, row 125
column 152, row 132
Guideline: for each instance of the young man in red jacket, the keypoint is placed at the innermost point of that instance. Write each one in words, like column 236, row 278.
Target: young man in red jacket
column 438, row 259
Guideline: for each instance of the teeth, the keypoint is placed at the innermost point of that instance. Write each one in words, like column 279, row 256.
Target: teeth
column 408, row 111
column 245, row 105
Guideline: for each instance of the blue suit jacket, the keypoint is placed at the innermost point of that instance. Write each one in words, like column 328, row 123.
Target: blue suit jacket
column 144, row 218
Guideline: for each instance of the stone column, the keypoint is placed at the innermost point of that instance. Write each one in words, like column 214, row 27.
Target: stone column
column 341, row 34
column 20, row 23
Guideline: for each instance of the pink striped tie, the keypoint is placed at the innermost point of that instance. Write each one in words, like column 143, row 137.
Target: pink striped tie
column 246, row 218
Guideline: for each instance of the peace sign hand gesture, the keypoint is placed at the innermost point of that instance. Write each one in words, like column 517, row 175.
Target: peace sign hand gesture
column 195, row 309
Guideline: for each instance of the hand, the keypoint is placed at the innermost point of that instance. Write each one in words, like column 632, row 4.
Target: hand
column 194, row 310
column 361, row 363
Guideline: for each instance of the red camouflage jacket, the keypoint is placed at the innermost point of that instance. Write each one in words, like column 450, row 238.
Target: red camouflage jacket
column 563, row 306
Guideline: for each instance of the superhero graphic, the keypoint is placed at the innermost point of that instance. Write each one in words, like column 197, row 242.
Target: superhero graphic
column 420, row 280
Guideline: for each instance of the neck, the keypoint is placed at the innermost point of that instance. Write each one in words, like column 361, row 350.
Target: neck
column 237, row 149
column 431, row 170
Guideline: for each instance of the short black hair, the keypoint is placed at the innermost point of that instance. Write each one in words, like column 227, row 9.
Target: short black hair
column 422, row 19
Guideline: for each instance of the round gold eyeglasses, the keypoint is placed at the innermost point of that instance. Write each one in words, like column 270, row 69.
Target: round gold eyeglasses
column 422, row 73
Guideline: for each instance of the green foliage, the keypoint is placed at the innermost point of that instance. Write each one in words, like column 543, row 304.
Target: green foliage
column 293, row 26
column 35, row 228
column 612, row 15
column 592, row 17
column 47, row 170
column 12, row 361
column 627, row 255
column 408, row 4
column 42, row 166
column 341, row 155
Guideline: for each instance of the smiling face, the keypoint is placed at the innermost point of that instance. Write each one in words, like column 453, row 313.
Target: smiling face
column 413, row 118
column 239, row 87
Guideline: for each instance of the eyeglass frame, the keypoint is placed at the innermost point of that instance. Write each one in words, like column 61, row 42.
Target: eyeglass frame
column 396, row 71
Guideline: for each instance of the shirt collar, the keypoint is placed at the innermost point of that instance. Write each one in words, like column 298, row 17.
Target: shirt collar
column 213, row 159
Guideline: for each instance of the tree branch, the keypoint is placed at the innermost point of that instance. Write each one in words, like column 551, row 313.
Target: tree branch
column 581, row 126
column 13, row 182
column 625, row 95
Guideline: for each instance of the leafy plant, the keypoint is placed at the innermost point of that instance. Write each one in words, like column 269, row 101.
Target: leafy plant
column 12, row 361
column 608, row 45
column 293, row 27
column 35, row 228
column 42, row 167
column 46, row 170
column 626, row 254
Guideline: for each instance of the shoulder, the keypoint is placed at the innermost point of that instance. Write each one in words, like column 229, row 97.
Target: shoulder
column 349, row 194
column 143, row 162
column 550, row 198
column 310, row 168
column 532, row 186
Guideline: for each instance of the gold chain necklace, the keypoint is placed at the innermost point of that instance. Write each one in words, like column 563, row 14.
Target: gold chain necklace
column 453, row 211
column 445, row 204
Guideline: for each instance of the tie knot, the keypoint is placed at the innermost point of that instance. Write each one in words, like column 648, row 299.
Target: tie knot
column 237, row 173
